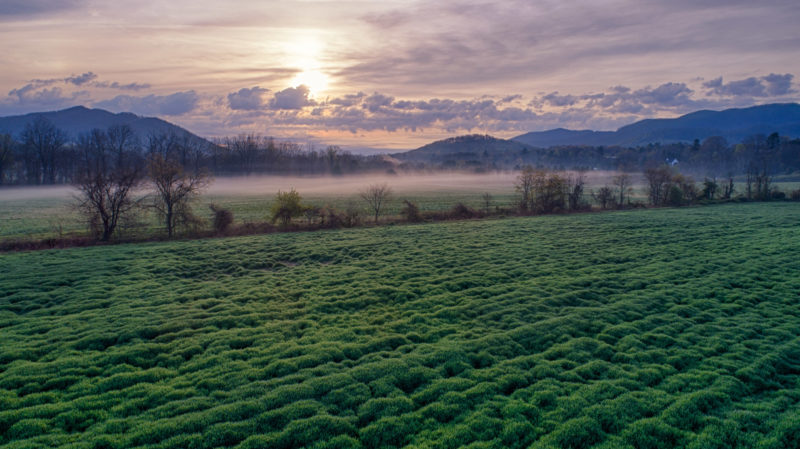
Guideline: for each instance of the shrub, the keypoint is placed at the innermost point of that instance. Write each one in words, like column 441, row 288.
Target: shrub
column 411, row 212
column 675, row 196
column 287, row 206
column 460, row 211
column 223, row 218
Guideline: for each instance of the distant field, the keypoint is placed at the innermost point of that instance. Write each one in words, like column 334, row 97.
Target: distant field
column 672, row 328
column 43, row 212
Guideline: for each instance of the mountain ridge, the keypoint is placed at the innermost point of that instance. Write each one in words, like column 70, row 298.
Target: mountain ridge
column 79, row 120
column 734, row 124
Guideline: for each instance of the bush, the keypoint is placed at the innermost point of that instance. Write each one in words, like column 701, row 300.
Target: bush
column 460, row 210
column 675, row 196
column 777, row 195
column 411, row 212
column 223, row 218
column 287, row 206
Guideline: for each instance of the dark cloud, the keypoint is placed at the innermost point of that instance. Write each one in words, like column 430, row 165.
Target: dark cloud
column 88, row 79
column 348, row 100
column 750, row 87
column 292, row 98
column 32, row 98
column 779, row 84
column 510, row 98
column 765, row 86
column 554, row 99
column 668, row 94
column 81, row 79
column 27, row 7
column 376, row 101
column 247, row 99
column 178, row 103
column 120, row 86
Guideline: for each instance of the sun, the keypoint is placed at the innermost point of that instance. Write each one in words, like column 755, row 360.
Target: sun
column 315, row 80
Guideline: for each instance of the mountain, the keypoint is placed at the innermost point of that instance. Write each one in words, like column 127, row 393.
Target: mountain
column 471, row 147
column 734, row 125
column 79, row 120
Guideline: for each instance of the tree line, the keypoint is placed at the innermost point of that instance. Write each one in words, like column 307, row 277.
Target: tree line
column 713, row 157
column 43, row 154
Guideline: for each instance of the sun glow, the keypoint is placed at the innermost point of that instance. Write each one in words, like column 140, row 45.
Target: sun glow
column 315, row 80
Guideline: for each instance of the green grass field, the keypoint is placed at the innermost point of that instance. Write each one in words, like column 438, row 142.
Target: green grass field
column 672, row 328
column 50, row 212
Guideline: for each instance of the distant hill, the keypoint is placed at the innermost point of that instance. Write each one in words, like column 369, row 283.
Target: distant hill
column 474, row 146
column 732, row 124
column 79, row 120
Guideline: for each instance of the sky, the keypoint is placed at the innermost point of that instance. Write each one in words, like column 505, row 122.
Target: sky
column 396, row 74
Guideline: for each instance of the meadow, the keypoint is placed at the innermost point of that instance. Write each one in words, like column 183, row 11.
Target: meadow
column 46, row 212
column 667, row 328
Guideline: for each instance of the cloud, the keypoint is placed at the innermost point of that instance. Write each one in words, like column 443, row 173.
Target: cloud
column 33, row 97
column 247, row 99
column 175, row 104
column 779, row 84
column 554, row 99
column 667, row 94
column 379, row 112
column 120, row 86
column 765, row 86
column 376, row 101
column 81, row 79
column 27, row 7
column 292, row 98
column 422, row 47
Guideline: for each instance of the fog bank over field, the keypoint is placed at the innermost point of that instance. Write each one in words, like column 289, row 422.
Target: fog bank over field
column 321, row 186
column 495, row 182
column 37, row 193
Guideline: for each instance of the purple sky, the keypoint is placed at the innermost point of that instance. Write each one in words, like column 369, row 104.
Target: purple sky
column 397, row 74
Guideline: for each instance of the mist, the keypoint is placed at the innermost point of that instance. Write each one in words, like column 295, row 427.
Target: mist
column 495, row 182
column 327, row 186
column 37, row 193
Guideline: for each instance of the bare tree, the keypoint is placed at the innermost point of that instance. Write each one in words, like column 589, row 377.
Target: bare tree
column 622, row 184
column 604, row 197
column 728, row 188
column 122, row 140
column 42, row 142
column 575, row 187
column 174, row 190
column 524, row 185
column 106, row 181
column 376, row 196
column 6, row 155
column 659, row 183
column 486, row 199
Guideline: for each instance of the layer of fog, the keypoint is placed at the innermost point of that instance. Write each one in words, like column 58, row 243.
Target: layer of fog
column 26, row 193
column 320, row 186
column 495, row 182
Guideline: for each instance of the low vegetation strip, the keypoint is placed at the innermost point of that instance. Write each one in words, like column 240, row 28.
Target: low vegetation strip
column 668, row 328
